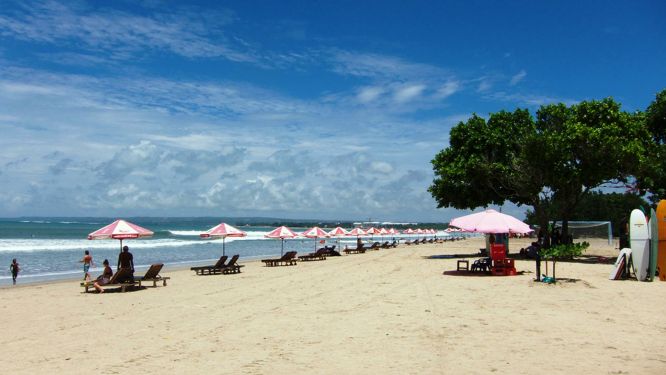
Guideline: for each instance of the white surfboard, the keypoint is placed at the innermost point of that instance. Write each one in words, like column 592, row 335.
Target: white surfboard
column 620, row 264
column 640, row 244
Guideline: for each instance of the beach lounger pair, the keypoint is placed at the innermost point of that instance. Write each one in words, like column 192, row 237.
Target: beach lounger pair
column 151, row 275
column 288, row 259
column 320, row 254
column 388, row 244
column 374, row 246
column 357, row 250
column 220, row 267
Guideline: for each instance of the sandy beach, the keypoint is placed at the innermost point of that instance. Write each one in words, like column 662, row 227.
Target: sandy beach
column 384, row 312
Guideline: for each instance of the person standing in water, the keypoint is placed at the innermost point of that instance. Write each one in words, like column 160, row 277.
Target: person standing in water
column 14, row 268
column 87, row 263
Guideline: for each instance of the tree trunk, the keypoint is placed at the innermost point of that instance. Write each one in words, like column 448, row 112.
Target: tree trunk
column 554, row 269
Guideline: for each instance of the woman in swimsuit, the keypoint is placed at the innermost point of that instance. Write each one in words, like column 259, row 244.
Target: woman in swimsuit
column 104, row 278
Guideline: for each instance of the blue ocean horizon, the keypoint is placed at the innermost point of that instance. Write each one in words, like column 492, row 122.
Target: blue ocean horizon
column 50, row 248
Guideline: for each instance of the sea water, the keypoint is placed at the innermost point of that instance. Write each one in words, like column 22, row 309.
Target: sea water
column 50, row 249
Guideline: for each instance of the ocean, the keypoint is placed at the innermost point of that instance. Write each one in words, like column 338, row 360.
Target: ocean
column 50, row 249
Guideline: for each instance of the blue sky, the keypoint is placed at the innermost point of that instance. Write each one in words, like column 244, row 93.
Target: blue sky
column 298, row 109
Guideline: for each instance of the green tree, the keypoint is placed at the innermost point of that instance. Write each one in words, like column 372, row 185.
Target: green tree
column 548, row 163
column 488, row 163
column 653, row 178
column 584, row 146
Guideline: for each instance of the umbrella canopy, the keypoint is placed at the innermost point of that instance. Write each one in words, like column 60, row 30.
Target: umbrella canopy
column 408, row 231
column 490, row 221
column 223, row 230
column 315, row 232
column 281, row 233
column 338, row 231
column 357, row 232
column 120, row 230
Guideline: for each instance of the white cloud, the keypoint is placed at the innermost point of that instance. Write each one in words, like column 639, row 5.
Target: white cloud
column 408, row 93
column 518, row 77
column 381, row 66
column 484, row 86
column 369, row 94
column 448, row 89
column 185, row 32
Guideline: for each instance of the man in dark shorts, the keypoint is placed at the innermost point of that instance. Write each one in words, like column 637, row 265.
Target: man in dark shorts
column 126, row 261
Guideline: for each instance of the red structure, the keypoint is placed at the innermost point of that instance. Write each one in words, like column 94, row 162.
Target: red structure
column 501, row 265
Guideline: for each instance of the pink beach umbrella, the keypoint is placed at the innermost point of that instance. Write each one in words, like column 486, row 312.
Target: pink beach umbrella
column 383, row 232
column 281, row 233
column 357, row 232
column 338, row 232
column 315, row 232
column 490, row 221
column 372, row 231
column 120, row 230
column 223, row 231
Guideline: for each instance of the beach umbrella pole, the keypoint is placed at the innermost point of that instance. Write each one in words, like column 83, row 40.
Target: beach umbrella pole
column 223, row 239
column 282, row 250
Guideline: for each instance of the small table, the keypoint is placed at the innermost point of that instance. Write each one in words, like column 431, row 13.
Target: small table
column 463, row 265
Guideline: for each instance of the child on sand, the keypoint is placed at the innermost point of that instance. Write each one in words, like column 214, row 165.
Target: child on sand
column 87, row 263
column 14, row 268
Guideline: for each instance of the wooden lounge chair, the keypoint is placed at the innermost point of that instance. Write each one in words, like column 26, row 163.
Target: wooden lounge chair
column 386, row 245
column 152, row 275
column 317, row 255
column 214, row 268
column 374, row 246
column 123, row 273
column 360, row 249
column 232, row 266
column 330, row 251
column 394, row 243
column 288, row 259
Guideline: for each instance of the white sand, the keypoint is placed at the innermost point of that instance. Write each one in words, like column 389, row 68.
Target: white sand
column 383, row 312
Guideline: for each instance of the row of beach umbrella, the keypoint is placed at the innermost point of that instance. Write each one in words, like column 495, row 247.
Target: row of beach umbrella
column 121, row 230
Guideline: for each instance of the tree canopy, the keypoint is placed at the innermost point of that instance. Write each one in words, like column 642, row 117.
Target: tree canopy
column 653, row 178
column 548, row 162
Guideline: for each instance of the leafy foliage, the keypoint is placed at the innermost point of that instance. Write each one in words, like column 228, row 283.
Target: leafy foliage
column 653, row 178
column 548, row 163
column 560, row 252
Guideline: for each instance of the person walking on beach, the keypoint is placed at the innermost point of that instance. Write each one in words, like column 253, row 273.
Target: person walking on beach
column 87, row 263
column 14, row 268
column 126, row 260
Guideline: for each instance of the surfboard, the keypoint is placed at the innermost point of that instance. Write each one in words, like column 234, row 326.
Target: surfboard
column 654, row 244
column 620, row 264
column 640, row 244
column 661, row 223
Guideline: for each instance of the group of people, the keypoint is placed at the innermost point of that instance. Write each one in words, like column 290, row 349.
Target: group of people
column 125, row 261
